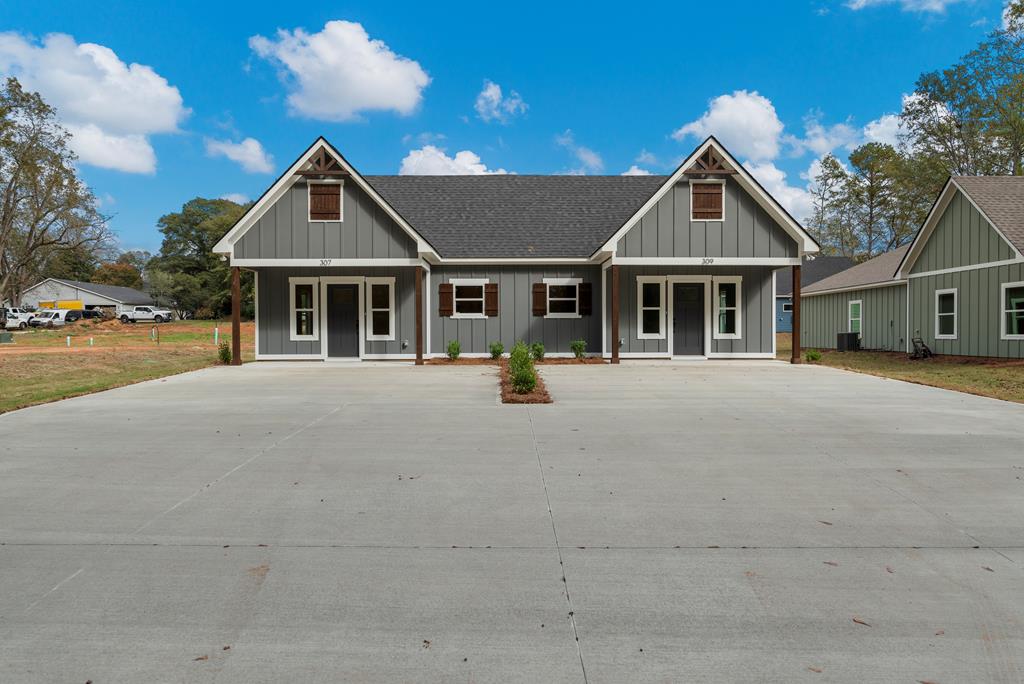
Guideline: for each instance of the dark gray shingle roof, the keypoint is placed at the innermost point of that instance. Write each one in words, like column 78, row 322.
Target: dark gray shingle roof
column 1001, row 198
column 871, row 272
column 125, row 295
column 813, row 270
column 516, row 216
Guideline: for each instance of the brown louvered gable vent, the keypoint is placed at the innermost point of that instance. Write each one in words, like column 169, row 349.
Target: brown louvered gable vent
column 325, row 201
column 707, row 201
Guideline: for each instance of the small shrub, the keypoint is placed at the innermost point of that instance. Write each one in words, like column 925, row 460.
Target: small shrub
column 454, row 349
column 812, row 355
column 537, row 351
column 497, row 349
column 519, row 357
column 524, row 380
column 224, row 353
column 579, row 348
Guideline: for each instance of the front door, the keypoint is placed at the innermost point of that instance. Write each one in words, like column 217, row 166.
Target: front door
column 342, row 320
column 688, row 319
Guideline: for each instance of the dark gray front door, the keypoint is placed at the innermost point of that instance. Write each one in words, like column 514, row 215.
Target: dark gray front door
column 343, row 320
column 688, row 319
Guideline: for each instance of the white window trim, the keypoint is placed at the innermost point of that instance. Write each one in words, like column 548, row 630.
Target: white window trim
column 708, row 181
column 785, row 304
column 292, row 329
column 715, row 282
column 956, row 313
column 341, row 200
column 390, row 282
column 574, row 282
column 860, row 316
column 470, row 282
column 1003, row 310
column 640, row 281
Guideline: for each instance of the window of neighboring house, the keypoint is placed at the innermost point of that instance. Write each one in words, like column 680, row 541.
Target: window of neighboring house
column 945, row 314
column 650, row 306
column 1013, row 311
column 468, row 297
column 787, row 307
column 303, row 305
column 853, row 318
column 380, row 308
column 324, row 200
column 707, row 200
column 563, row 297
column 728, row 294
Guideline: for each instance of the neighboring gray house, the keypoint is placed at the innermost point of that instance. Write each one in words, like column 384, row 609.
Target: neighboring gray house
column 815, row 268
column 959, row 285
column 394, row 267
column 92, row 295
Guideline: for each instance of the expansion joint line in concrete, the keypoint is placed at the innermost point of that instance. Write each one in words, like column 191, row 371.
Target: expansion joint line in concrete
column 558, row 548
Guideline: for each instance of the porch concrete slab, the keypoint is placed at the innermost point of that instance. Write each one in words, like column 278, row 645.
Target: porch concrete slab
column 384, row 522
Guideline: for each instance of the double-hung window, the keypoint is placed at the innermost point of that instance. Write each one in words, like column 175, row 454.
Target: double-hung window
column 380, row 308
column 650, row 306
column 1012, row 305
column 563, row 297
column 853, row 319
column 468, row 297
column 728, row 312
column 945, row 314
column 303, row 305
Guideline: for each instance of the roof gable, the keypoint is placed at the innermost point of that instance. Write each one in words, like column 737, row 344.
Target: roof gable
column 117, row 293
column 873, row 272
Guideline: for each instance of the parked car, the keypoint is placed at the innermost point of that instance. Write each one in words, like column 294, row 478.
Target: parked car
column 53, row 318
column 15, row 318
column 99, row 314
column 146, row 313
column 72, row 315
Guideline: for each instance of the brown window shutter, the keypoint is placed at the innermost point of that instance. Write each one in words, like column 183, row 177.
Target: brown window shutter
column 585, row 299
column 445, row 300
column 707, row 201
column 491, row 299
column 324, row 201
column 540, row 299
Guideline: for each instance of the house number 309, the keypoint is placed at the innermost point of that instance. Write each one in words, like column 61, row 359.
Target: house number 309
column 325, row 262
column 707, row 260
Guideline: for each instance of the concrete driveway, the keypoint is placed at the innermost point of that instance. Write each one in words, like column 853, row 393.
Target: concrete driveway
column 660, row 522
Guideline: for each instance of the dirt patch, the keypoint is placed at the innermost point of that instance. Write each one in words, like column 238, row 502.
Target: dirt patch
column 539, row 395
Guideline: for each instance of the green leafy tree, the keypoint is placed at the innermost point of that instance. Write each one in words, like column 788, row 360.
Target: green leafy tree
column 118, row 273
column 75, row 263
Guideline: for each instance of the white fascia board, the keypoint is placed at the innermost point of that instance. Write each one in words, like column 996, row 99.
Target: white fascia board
column 747, row 182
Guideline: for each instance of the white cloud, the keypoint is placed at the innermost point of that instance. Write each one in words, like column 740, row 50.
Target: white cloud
column 493, row 105
column 885, row 129
column 1010, row 24
column 745, row 122
column 935, row 6
column 109, row 106
column 432, row 161
column 590, row 161
column 822, row 139
column 797, row 201
column 249, row 154
column 236, row 197
column 646, row 157
column 339, row 72
column 424, row 138
column 635, row 170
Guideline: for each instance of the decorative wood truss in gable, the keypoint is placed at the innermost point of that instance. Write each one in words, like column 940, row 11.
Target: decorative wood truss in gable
column 323, row 165
column 709, row 164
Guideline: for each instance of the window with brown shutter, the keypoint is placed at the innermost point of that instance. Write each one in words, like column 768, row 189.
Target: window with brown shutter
column 445, row 300
column 540, row 299
column 585, row 292
column 324, row 201
column 706, row 201
column 491, row 299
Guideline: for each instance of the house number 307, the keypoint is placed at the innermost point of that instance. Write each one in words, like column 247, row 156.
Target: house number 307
column 707, row 260
column 325, row 262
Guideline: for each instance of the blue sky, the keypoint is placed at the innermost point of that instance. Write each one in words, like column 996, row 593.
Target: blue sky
column 169, row 101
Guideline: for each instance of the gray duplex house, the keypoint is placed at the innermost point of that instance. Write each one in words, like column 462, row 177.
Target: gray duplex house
column 395, row 267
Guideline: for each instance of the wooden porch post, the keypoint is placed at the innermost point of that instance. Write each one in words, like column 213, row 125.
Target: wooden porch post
column 796, row 315
column 615, row 314
column 236, row 316
column 419, row 315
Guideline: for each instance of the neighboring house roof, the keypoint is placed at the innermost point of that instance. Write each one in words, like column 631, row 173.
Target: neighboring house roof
column 516, row 216
column 813, row 269
column 873, row 272
column 124, row 295
column 1001, row 200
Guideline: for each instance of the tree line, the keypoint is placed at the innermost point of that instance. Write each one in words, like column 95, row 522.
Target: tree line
column 966, row 120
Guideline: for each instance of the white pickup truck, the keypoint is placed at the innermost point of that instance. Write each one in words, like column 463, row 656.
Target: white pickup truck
column 145, row 313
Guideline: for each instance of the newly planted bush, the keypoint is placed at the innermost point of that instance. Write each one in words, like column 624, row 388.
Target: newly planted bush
column 579, row 348
column 224, row 352
column 519, row 357
column 497, row 349
column 537, row 351
column 454, row 349
column 812, row 355
column 524, row 380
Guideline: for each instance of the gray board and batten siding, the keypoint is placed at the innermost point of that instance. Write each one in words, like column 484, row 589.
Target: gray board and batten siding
column 883, row 318
column 515, row 320
column 962, row 237
column 365, row 231
column 746, row 231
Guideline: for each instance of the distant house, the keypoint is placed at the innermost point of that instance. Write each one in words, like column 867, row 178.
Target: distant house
column 814, row 269
column 959, row 285
column 92, row 295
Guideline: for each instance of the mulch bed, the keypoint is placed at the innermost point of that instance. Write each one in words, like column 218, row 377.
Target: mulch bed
column 539, row 395
column 463, row 361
